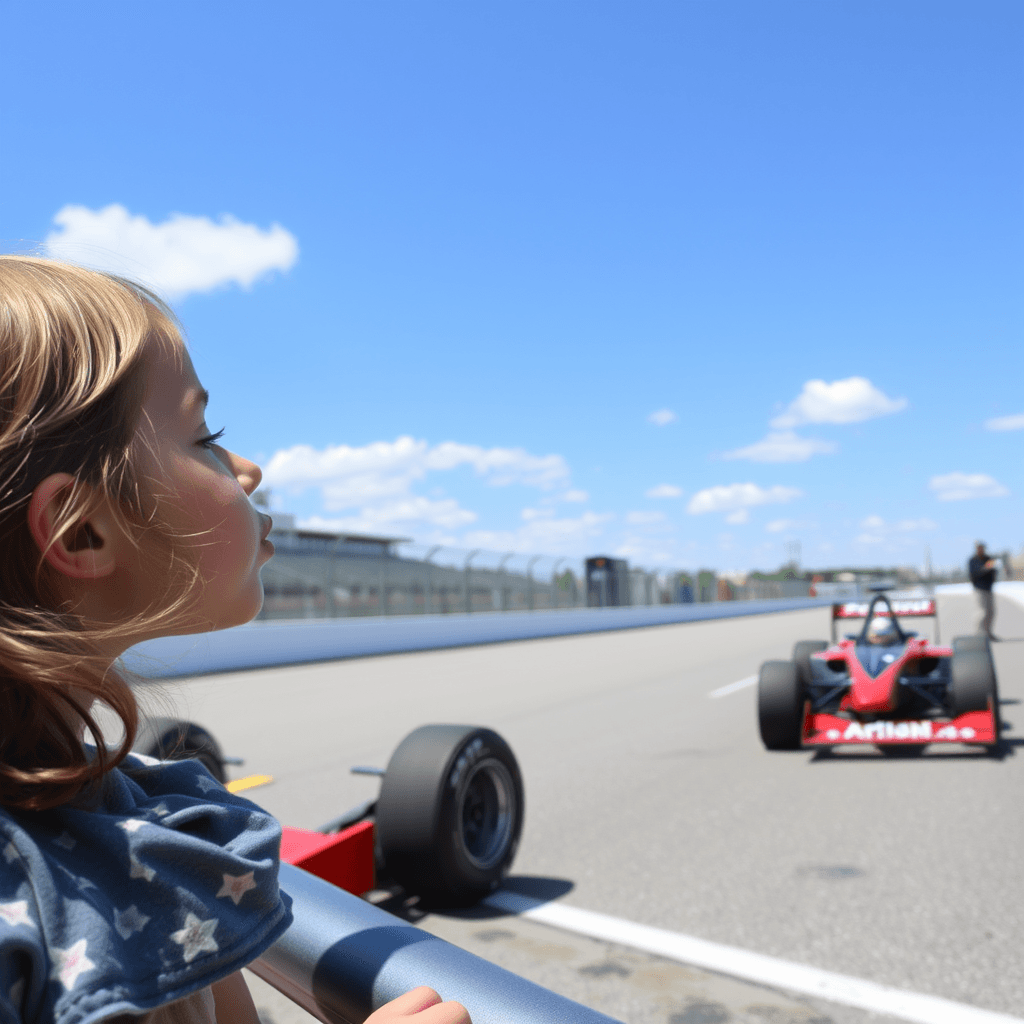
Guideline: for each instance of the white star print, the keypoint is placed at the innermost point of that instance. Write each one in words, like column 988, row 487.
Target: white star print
column 160, row 810
column 131, row 825
column 236, row 886
column 196, row 937
column 10, row 853
column 206, row 784
column 139, row 870
column 128, row 922
column 66, row 840
column 68, row 964
column 16, row 913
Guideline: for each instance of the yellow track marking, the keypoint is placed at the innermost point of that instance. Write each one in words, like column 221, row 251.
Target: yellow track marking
column 249, row 782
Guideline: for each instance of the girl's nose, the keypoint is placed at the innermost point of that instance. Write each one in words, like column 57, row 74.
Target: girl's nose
column 247, row 473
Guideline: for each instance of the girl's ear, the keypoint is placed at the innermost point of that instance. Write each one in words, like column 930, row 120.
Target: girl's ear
column 86, row 551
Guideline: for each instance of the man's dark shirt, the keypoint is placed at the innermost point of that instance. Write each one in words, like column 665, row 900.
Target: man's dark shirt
column 981, row 577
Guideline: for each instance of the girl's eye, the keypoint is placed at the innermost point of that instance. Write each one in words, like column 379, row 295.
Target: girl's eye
column 210, row 440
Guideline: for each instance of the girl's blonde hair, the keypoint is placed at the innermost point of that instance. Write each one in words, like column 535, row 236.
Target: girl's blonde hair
column 73, row 356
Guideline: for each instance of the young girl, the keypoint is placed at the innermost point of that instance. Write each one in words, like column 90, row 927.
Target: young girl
column 126, row 888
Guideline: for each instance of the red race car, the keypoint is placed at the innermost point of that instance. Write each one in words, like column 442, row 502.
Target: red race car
column 445, row 826
column 883, row 686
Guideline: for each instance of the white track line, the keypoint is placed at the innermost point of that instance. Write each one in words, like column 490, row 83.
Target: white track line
column 724, row 691
column 740, row 963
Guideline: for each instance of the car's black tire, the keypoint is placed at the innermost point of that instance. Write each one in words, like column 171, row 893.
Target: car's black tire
column 802, row 658
column 780, row 705
column 974, row 642
column 972, row 682
column 172, row 739
column 450, row 813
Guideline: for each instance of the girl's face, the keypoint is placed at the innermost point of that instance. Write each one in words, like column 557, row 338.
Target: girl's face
column 201, row 491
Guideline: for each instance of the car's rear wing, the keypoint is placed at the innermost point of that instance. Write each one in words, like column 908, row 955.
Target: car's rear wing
column 902, row 608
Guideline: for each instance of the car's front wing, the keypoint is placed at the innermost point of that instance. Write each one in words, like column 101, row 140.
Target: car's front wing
column 825, row 730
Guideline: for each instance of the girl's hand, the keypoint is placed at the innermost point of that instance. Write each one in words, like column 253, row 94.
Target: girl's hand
column 420, row 1006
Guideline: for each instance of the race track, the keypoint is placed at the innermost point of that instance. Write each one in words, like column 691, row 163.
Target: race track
column 653, row 802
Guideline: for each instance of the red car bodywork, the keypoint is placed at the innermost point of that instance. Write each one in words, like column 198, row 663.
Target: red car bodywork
column 870, row 696
column 344, row 858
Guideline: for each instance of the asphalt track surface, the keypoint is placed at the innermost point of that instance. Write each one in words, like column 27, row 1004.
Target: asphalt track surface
column 650, row 801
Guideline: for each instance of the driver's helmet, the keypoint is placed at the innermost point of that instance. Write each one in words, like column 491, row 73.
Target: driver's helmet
column 882, row 632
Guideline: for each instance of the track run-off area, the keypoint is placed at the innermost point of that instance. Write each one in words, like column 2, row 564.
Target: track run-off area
column 671, row 869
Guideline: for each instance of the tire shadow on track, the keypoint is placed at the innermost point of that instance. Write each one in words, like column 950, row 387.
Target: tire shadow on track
column 544, row 890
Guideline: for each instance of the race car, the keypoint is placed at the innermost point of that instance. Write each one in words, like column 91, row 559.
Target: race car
column 884, row 686
column 445, row 826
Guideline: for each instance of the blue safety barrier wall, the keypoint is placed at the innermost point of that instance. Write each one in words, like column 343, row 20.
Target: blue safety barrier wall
column 264, row 644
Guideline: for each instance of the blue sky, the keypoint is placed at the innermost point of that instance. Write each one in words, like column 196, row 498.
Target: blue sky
column 441, row 262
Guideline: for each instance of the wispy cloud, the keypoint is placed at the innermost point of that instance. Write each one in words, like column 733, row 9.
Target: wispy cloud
column 786, row 525
column 176, row 257
column 963, row 486
column 644, row 518
column 372, row 487
column 843, row 401
column 782, row 446
column 351, row 476
column 662, row 417
column 664, row 491
column 732, row 497
column 875, row 529
column 1015, row 422
column 541, row 531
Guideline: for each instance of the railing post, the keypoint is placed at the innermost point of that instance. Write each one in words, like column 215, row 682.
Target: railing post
column 466, row 590
column 529, row 581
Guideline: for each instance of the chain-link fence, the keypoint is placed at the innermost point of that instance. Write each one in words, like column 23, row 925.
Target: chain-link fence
column 323, row 576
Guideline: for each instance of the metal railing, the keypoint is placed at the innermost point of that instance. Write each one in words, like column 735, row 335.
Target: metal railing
column 318, row 579
column 342, row 958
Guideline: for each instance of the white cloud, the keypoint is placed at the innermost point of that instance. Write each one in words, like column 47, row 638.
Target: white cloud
column 962, row 486
column 782, row 525
column 644, row 518
column 543, row 532
column 913, row 525
column 373, row 488
column 665, row 491
column 351, row 476
column 662, row 417
column 1015, row 422
column 843, row 401
column 402, row 516
column 729, row 498
column 739, row 517
column 183, row 254
column 782, row 446
column 876, row 529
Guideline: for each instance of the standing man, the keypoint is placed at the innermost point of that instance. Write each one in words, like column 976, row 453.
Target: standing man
column 982, row 569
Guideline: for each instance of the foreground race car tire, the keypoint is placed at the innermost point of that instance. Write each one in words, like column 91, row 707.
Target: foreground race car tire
column 450, row 813
column 974, row 642
column 802, row 658
column 172, row 739
column 780, row 705
column 972, row 682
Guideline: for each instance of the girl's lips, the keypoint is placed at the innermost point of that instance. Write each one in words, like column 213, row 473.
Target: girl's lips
column 268, row 525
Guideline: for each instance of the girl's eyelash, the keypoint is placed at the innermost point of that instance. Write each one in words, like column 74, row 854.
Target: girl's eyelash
column 210, row 440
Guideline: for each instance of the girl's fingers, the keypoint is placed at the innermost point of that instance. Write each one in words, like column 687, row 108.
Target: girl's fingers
column 424, row 1005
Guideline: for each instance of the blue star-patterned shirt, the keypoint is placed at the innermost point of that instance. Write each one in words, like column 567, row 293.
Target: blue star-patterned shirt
column 167, row 885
